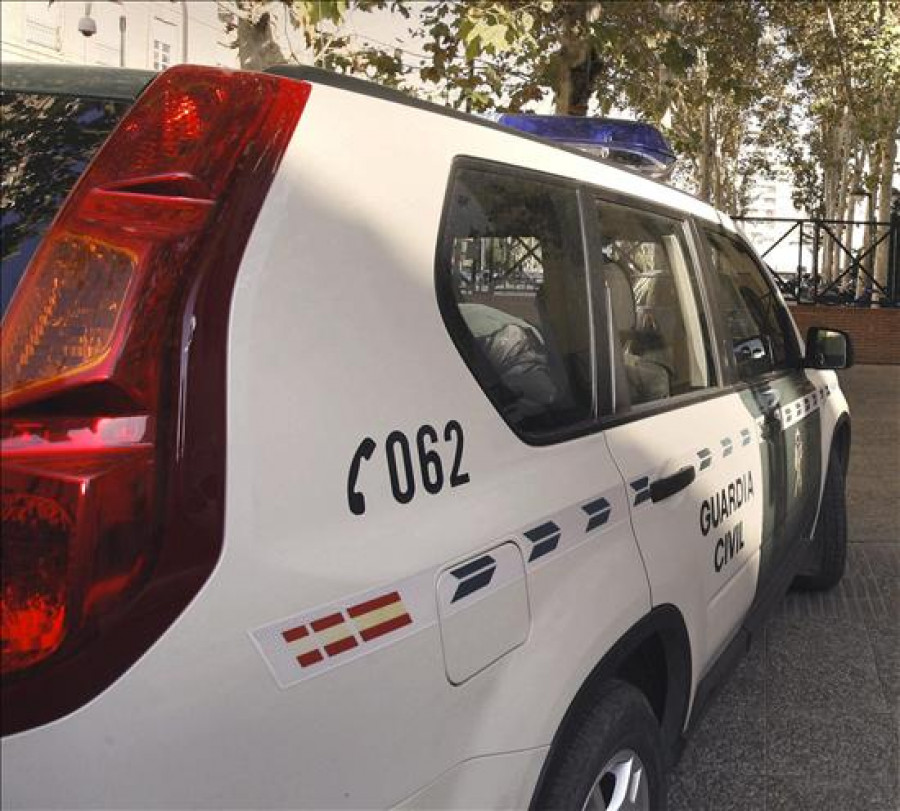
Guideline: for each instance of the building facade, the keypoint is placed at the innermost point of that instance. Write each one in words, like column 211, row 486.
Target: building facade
column 147, row 35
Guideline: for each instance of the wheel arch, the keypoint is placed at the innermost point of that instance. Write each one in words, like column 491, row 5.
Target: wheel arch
column 840, row 439
column 659, row 637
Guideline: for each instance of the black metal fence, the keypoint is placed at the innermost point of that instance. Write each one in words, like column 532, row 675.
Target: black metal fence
column 852, row 280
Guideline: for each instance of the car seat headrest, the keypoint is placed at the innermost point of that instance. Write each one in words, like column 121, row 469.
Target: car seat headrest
column 621, row 296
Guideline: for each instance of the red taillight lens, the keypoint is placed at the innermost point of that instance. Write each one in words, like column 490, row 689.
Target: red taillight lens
column 138, row 212
column 38, row 530
column 113, row 385
column 76, row 509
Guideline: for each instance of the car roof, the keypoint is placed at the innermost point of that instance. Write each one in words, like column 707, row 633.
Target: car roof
column 126, row 84
column 84, row 81
column 354, row 84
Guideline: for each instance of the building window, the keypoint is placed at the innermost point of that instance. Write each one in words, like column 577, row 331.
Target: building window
column 162, row 55
column 163, row 36
column 42, row 23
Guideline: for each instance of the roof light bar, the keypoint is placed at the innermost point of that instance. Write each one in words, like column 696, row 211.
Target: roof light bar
column 633, row 143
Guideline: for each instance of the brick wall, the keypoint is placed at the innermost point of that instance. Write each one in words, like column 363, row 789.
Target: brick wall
column 875, row 333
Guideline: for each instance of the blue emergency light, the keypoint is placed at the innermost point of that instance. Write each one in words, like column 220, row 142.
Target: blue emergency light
column 633, row 143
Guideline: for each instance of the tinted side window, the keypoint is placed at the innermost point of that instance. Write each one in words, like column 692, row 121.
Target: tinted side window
column 659, row 329
column 46, row 143
column 753, row 314
column 513, row 292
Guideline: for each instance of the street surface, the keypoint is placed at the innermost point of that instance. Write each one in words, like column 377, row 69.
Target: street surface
column 811, row 717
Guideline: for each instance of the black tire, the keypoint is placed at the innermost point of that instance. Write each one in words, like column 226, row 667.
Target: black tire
column 829, row 546
column 619, row 720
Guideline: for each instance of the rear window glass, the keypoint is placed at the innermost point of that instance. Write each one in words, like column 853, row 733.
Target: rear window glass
column 46, row 142
column 514, row 286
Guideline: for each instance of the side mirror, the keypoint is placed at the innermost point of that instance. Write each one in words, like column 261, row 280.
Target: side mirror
column 827, row 349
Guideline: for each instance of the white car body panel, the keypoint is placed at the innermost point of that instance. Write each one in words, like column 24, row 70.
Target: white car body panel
column 832, row 410
column 500, row 781
column 336, row 335
column 678, row 556
column 288, row 454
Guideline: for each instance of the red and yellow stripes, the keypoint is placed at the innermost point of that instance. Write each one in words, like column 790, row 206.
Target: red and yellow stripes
column 333, row 634
column 306, row 652
column 380, row 616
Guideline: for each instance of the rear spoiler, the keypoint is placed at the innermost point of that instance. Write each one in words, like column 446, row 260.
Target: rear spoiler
column 83, row 81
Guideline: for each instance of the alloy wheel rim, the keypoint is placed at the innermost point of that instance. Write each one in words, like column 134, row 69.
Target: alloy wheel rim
column 621, row 785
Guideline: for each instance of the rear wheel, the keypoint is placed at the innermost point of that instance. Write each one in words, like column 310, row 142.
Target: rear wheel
column 611, row 761
column 829, row 546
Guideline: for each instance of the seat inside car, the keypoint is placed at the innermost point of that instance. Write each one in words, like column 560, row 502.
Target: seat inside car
column 647, row 378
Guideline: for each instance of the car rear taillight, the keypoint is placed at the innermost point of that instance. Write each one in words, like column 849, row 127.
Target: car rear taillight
column 113, row 385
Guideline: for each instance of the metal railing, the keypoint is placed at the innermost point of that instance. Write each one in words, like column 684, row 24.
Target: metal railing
column 852, row 281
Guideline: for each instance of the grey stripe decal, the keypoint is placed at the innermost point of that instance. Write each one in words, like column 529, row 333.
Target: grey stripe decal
column 598, row 512
column 641, row 489
column 544, row 538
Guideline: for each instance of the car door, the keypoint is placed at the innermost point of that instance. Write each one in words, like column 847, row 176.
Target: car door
column 762, row 357
column 686, row 446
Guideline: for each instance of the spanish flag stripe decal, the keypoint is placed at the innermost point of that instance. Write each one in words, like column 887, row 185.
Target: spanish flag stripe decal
column 378, row 616
column 304, row 645
column 327, row 622
column 386, row 627
column 335, row 634
column 372, row 605
column 293, row 634
column 345, row 644
column 311, row 658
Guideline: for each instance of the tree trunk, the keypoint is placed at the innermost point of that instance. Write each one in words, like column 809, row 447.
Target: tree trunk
column 577, row 64
column 257, row 50
column 888, row 159
column 874, row 161
column 830, row 178
column 843, row 194
column 851, row 232
column 716, row 145
column 705, row 153
column 836, row 203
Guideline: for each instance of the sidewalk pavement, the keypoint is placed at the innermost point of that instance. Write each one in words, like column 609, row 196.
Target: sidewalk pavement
column 873, row 486
column 811, row 717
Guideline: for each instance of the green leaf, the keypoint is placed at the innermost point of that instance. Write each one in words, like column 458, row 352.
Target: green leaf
column 494, row 38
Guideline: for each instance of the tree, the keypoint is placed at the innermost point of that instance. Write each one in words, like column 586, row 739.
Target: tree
column 253, row 24
column 734, row 85
column 703, row 71
column 847, row 83
column 719, row 80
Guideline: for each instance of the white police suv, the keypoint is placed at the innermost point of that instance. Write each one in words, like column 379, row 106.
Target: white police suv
column 357, row 453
